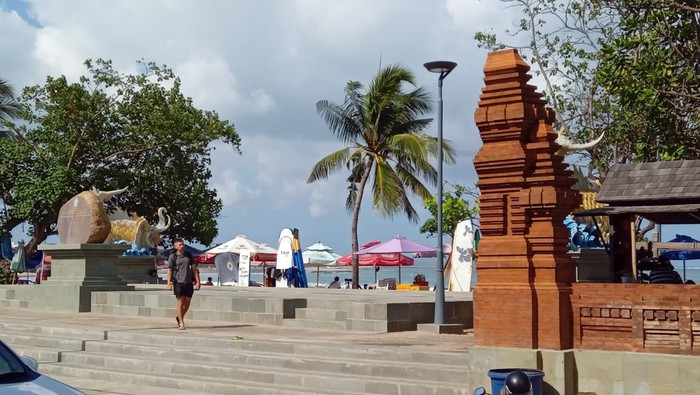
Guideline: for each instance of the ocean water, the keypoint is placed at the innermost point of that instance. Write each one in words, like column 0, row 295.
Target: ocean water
column 692, row 270
column 324, row 276
column 425, row 267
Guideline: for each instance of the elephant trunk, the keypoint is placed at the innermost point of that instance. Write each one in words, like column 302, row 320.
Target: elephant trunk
column 163, row 221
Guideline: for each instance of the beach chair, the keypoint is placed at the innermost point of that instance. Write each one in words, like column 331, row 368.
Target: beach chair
column 387, row 283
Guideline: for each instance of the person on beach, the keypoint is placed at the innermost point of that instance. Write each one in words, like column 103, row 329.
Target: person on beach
column 335, row 283
column 209, row 281
column 665, row 273
column 183, row 279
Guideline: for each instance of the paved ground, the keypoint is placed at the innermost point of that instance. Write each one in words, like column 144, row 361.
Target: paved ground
column 139, row 359
column 412, row 339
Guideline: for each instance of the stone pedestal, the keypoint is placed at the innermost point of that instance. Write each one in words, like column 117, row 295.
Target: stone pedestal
column 525, row 275
column 76, row 271
column 137, row 269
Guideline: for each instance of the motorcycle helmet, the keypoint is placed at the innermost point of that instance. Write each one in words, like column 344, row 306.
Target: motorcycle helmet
column 517, row 383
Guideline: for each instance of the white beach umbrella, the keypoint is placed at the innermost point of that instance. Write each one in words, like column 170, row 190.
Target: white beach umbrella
column 259, row 252
column 319, row 255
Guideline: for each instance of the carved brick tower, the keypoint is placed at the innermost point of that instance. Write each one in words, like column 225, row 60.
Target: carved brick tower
column 522, row 297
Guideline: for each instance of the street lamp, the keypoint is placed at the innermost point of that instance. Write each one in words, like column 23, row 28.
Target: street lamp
column 443, row 68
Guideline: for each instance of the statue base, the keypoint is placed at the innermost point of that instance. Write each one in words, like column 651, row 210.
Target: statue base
column 137, row 269
column 76, row 271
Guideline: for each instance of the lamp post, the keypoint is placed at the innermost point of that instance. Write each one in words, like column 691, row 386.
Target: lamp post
column 443, row 68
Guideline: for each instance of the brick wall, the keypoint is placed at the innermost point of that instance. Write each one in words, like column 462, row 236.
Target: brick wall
column 637, row 317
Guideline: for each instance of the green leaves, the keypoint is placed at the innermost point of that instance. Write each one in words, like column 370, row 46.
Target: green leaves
column 628, row 69
column 455, row 208
column 112, row 130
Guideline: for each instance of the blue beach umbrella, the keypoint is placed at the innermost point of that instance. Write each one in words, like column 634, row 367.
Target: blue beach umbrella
column 686, row 255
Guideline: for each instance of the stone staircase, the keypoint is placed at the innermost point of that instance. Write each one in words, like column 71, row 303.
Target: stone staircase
column 324, row 313
column 15, row 296
column 217, row 306
column 167, row 361
column 346, row 310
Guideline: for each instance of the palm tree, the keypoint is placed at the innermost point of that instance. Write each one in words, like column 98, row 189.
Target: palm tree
column 9, row 107
column 382, row 129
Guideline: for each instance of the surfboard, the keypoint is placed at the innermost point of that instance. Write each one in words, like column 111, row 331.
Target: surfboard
column 299, row 261
column 285, row 258
column 462, row 258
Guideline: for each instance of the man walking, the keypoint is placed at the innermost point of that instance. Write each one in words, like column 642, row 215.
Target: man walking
column 182, row 273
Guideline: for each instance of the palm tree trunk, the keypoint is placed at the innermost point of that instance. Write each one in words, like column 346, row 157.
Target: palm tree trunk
column 355, row 218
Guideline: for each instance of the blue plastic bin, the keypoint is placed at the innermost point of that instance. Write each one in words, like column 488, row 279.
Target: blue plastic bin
column 498, row 378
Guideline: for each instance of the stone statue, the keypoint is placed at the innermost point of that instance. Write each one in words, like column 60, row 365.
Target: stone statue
column 82, row 219
column 138, row 231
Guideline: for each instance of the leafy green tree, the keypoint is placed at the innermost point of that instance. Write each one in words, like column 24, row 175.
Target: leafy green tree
column 626, row 68
column 382, row 128
column 651, row 69
column 455, row 208
column 111, row 130
column 562, row 40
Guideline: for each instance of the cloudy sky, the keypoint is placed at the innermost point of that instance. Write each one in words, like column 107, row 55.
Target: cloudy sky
column 263, row 64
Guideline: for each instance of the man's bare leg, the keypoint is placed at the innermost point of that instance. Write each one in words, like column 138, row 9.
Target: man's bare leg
column 183, row 305
column 180, row 312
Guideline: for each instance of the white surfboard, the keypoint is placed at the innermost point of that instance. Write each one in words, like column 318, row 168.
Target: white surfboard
column 462, row 258
column 285, row 260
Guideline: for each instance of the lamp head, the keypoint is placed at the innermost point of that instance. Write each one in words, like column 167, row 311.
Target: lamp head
column 442, row 67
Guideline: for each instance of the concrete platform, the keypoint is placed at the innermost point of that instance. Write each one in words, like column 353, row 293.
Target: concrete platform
column 338, row 309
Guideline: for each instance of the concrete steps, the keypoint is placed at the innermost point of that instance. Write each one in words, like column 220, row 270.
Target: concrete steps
column 314, row 363
column 359, row 352
column 15, row 304
column 262, row 374
column 314, row 324
column 41, row 354
column 142, row 383
column 204, row 307
column 101, row 387
column 20, row 339
column 163, row 361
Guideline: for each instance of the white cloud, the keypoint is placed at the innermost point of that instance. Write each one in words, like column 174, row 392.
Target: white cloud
column 232, row 192
column 212, row 84
column 263, row 65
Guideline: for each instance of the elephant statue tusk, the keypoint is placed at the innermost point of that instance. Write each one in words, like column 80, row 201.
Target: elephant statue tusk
column 104, row 196
column 569, row 146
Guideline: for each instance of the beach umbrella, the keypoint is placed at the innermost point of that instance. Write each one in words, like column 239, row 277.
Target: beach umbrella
column 446, row 250
column 686, row 255
column 18, row 264
column 397, row 245
column 319, row 255
column 259, row 253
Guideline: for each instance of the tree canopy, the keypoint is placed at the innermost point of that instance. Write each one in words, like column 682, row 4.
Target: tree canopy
column 383, row 130
column 112, row 130
column 455, row 208
column 626, row 68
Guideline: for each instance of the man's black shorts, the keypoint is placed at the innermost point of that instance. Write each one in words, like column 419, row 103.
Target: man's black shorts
column 183, row 289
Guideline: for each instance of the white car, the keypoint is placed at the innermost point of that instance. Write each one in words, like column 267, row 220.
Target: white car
column 18, row 375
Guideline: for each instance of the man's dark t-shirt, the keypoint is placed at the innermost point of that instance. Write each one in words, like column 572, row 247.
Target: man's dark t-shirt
column 182, row 267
